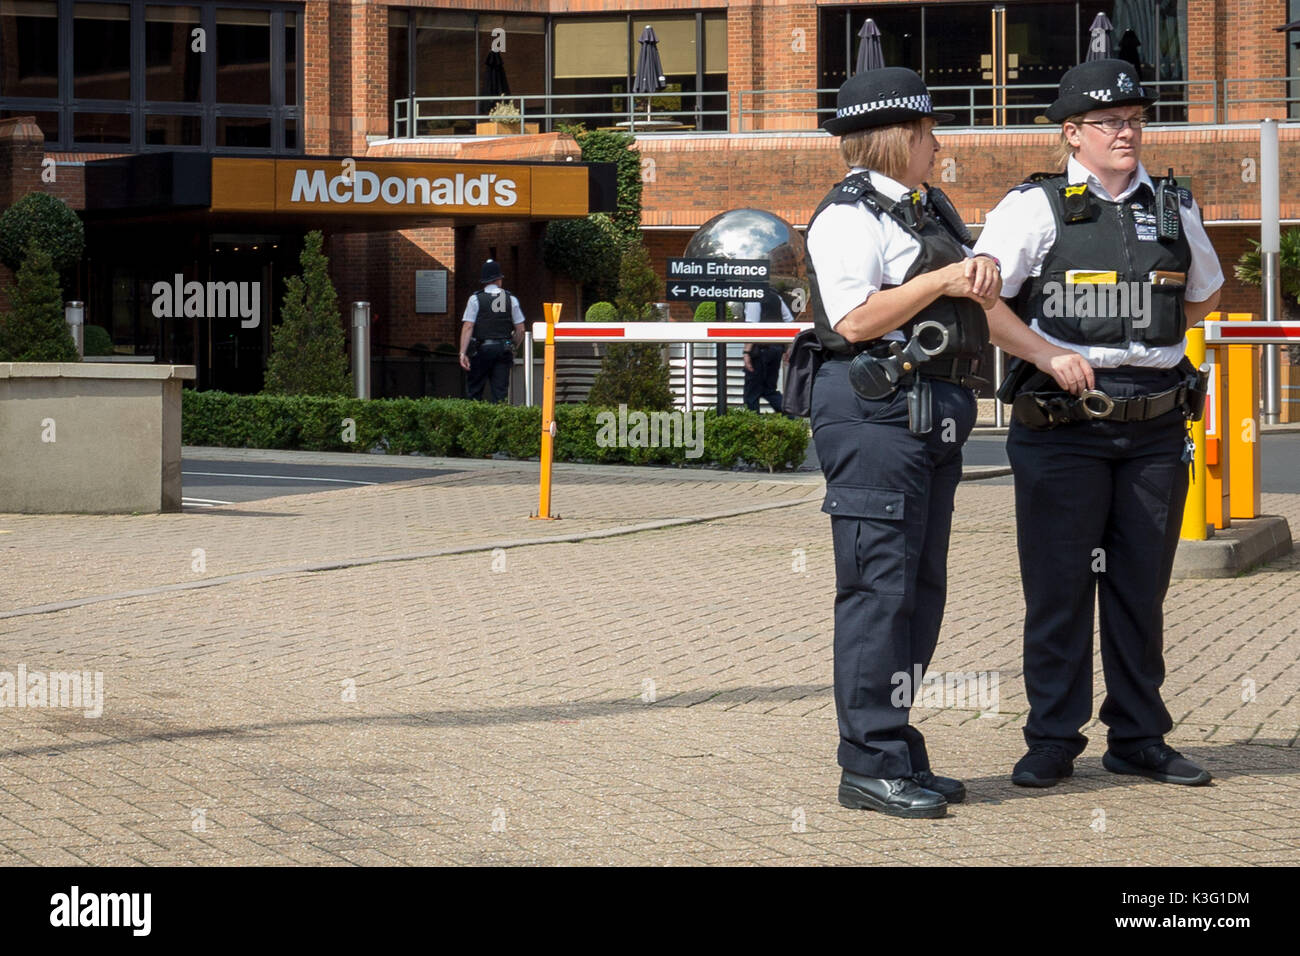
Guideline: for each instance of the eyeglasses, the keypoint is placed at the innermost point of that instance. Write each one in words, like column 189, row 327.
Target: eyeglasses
column 1113, row 126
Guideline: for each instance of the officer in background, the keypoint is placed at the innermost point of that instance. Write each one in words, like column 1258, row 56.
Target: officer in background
column 890, row 272
column 763, row 362
column 491, row 329
column 1108, row 268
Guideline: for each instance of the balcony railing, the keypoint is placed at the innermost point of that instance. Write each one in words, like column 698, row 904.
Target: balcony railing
column 1019, row 106
column 665, row 112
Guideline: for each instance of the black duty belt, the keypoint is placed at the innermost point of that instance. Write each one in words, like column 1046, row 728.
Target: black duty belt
column 1048, row 409
column 957, row 370
column 490, row 341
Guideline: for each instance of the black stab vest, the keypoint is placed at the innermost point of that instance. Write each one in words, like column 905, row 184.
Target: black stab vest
column 1108, row 240
column 494, row 319
column 968, row 331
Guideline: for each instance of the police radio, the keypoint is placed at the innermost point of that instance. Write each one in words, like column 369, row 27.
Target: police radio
column 1168, row 221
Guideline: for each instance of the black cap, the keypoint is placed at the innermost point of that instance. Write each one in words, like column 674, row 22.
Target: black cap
column 1096, row 84
column 491, row 272
column 893, row 94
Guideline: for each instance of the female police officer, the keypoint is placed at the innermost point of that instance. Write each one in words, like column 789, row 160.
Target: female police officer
column 888, row 268
column 1112, row 267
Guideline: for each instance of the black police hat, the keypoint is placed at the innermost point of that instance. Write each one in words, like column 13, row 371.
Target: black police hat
column 1096, row 84
column 491, row 272
column 892, row 94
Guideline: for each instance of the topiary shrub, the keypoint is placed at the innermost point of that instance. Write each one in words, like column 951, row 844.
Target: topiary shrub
column 50, row 222
column 35, row 330
column 634, row 373
column 705, row 312
column 95, row 340
column 602, row 312
column 307, row 348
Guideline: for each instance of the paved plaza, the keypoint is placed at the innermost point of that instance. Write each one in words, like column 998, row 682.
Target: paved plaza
column 418, row 673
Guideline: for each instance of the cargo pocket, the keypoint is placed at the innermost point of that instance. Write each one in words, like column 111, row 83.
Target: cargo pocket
column 870, row 538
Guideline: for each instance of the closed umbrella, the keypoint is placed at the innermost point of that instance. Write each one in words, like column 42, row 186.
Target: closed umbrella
column 1099, row 45
column 649, row 70
column 497, row 83
column 870, row 54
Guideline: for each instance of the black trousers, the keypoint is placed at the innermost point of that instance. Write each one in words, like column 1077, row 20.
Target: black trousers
column 890, row 497
column 491, row 364
column 1099, row 509
column 761, row 383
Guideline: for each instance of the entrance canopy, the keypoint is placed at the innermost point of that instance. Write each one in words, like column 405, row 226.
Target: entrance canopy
column 315, row 191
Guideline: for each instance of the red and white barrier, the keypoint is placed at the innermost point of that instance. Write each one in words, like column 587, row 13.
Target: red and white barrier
column 1251, row 333
column 672, row 331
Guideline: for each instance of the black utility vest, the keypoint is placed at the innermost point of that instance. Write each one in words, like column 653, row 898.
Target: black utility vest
column 968, row 331
column 1117, row 237
column 494, row 319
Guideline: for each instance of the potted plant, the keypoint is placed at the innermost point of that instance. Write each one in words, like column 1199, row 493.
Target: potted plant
column 1247, row 271
column 503, row 118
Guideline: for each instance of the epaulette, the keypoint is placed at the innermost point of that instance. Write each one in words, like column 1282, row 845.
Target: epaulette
column 852, row 189
column 1032, row 180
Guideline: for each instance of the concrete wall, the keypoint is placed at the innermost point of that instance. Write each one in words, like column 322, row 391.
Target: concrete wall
column 90, row 437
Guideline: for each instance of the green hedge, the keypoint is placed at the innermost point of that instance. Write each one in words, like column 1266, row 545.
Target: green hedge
column 451, row 428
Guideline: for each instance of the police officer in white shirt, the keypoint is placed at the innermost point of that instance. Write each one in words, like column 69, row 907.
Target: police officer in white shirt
column 1105, row 269
column 898, row 308
column 494, row 323
column 763, row 362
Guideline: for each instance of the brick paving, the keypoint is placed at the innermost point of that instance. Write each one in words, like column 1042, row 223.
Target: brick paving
column 659, row 696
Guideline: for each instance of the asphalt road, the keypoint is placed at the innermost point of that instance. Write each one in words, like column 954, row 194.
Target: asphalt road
column 208, row 483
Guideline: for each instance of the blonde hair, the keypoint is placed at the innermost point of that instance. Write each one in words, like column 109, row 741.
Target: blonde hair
column 886, row 149
column 1064, row 150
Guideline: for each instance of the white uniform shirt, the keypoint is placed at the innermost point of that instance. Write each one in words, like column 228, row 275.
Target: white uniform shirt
column 754, row 312
column 856, row 253
column 1020, row 232
column 471, row 308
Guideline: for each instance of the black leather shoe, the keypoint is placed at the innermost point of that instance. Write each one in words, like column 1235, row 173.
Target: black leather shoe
column 901, row 797
column 1159, row 762
column 954, row 791
column 1045, row 765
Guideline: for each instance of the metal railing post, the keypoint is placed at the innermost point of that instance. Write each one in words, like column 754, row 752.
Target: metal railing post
column 1269, row 259
column 361, row 349
column 74, row 313
column 528, row 366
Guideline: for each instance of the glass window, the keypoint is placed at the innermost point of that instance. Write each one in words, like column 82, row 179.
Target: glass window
column 715, row 73
column 244, row 56
column 101, row 51
column 172, row 67
column 591, row 56
column 715, row 43
column 162, row 130
column 47, row 121
column 399, row 66
column 100, row 128
column 679, row 58
column 290, row 58
column 244, row 132
column 445, row 65
column 838, row 43
column 521, row 41
column 291, row 135
column 29, row 44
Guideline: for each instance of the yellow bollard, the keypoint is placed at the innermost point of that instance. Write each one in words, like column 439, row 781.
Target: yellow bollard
column 1194, row 528
column 552, row 311
column 1218, row 449
column 1241, row 430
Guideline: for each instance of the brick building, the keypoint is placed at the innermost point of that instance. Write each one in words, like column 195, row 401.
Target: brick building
column 82, row 82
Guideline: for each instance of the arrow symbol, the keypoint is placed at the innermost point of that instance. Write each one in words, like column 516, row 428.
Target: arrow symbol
column 678, row 290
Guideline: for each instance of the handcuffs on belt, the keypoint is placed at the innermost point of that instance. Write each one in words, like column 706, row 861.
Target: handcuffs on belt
column 1043, row 410
column 874, row 377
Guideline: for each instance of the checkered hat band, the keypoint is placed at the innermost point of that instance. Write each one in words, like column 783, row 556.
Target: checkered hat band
column 920, row 103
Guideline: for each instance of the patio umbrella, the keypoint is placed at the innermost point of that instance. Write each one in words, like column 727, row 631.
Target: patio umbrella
column 497, row 83
column 1130, row 48
column 870, row 55
column 1099, row 45
column 649, row 70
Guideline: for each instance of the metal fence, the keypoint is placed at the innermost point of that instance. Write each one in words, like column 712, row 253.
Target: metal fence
column 1015, row 106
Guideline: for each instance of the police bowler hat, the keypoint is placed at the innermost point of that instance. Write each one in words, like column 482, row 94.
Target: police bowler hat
column 892, row 94
column 1096, row 84
column 491, row 272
